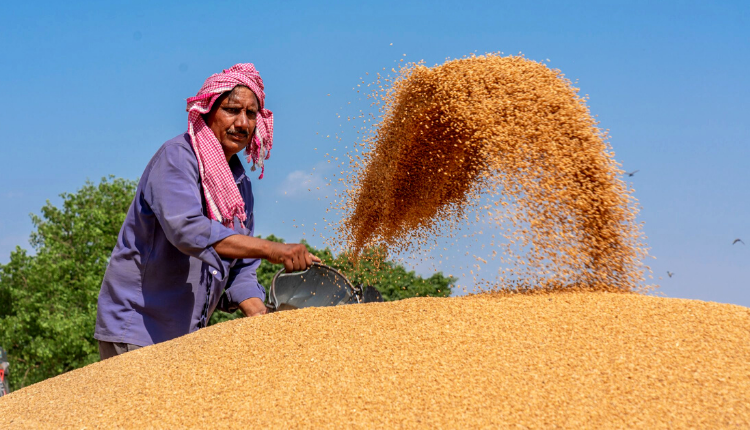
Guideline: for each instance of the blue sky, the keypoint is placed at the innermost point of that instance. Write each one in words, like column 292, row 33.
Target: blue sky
column 94, row 88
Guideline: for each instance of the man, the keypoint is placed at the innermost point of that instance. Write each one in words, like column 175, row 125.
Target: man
column 188, row 235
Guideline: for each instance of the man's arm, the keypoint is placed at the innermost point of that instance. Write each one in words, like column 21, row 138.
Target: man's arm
column 294, row 257
column 243, row 290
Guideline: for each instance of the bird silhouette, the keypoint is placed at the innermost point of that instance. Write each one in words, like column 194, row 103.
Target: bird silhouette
column 738, row 240
column 632, row 173
column 669, row 273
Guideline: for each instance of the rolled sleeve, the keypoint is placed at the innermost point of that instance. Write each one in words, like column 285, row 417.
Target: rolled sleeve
column 173, row 194
column 242, row 285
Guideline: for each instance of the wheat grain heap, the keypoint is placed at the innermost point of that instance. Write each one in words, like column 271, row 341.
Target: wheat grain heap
column 516, row 134
column 556, row 360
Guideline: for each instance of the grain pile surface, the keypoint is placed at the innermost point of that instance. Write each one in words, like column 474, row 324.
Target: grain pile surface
column 499, row 138
column 560, row 360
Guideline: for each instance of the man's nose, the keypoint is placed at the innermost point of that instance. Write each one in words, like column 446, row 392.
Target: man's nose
column 242, row 121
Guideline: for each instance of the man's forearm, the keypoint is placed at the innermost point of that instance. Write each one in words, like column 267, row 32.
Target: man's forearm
column 239, row 246
column 292, row 256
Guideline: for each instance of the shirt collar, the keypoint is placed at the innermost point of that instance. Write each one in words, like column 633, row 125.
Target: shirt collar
column 238, row 170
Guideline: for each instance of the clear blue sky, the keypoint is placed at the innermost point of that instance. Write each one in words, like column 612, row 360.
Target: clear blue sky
column 94, row 88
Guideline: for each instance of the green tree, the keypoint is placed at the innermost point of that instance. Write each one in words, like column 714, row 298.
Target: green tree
column 48, row 300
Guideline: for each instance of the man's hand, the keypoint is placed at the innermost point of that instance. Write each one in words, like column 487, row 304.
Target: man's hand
column 294, row 257
column 253, row 307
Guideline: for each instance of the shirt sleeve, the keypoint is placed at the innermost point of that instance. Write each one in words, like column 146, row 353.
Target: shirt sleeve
column 173, row 194
column 242, row 285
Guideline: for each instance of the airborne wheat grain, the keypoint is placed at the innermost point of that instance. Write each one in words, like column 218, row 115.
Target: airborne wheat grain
column 515, row 133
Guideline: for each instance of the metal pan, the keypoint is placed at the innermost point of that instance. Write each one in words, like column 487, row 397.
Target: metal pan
column 320, row 285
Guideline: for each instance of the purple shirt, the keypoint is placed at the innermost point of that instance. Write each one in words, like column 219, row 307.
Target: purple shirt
column 164, row 277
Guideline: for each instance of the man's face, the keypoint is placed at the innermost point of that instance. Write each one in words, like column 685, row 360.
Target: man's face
column 232, row 119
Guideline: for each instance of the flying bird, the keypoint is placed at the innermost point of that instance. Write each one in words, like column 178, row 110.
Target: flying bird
column 632, row 173
column 669, row 273
column 738, row 240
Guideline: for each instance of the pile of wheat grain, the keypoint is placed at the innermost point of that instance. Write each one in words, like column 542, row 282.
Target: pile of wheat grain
column 556, row 360
column 507, row 139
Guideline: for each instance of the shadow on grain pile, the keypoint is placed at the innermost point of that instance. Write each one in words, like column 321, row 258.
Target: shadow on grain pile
column 567, row 359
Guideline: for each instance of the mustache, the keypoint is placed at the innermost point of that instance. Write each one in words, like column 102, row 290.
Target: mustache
column 242, row 133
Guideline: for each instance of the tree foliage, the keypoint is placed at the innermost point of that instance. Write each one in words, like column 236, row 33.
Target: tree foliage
column 48, row 298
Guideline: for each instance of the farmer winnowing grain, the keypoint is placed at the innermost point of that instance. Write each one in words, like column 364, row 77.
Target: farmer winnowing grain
column 187, row 246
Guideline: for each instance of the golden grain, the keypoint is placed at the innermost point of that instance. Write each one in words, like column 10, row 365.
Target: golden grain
column 557, row 360
column 471, row 133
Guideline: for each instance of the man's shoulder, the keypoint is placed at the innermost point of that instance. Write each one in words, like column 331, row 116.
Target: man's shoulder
column 178, row 146
column 181, row 140
column 175, row 151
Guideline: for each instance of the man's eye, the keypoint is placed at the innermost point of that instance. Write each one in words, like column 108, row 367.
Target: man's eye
column 251, row 114
column 232, row 110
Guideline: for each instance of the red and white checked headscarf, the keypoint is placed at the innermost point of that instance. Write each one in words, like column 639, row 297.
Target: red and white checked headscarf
column 222, row 196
